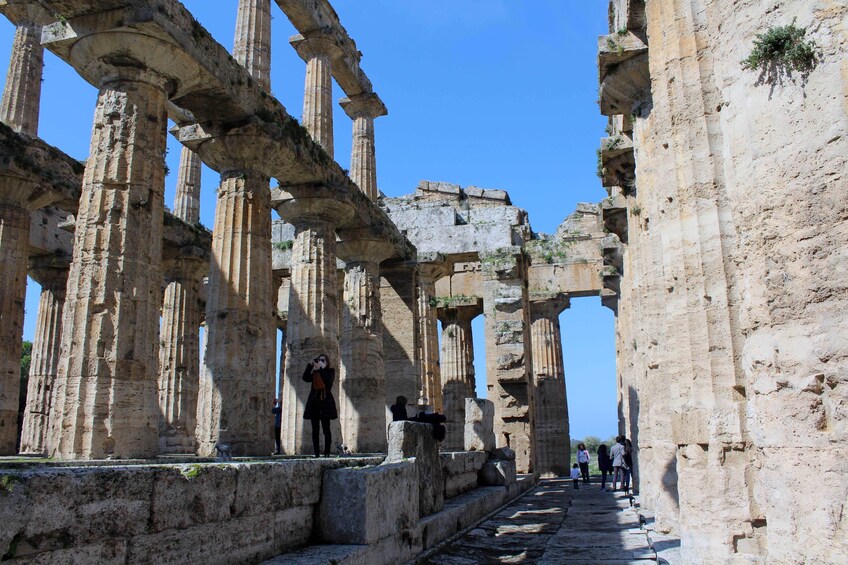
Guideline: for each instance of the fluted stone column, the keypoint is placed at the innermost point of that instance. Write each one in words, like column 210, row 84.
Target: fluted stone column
column 553, row 452
column 21, row 101
column 187, row 198
column 179, row 355
column 252, row 45
column 238, row 377
column 53, row 277
column 313, row 321
column 318, row 51
column 106, row 400
column 362, row 109
column 401, row 343
column 362, row 383
column 457, row 369
column 508, row 354
column 428, row 324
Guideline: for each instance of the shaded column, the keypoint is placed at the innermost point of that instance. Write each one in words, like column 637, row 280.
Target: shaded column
column 106, row 398
column 21, row 101
column 428, row 324
column 52, row 275
column 457, row 367
column 252, row 45
column 553, row 451
column 508, row 355
column 313, row 321
column 318, row 51
column 401, row 343
column 362, row 385
column 187, row 198
column 362, row 109
column 179, row 355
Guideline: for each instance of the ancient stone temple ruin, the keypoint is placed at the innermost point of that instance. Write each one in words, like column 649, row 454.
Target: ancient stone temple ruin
column 718, row 249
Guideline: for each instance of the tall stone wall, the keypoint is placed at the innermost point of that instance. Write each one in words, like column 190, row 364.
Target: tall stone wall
column 731, row 372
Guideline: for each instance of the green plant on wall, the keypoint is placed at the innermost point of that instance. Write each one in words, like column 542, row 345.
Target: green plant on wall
column 781, row 50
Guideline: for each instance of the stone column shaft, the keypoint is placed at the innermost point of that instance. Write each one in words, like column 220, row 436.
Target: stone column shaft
column 21, row 101
column 362, row 109
column 238, row 379
column 106, row 397
column 551, row 406
column 14, row 249
column 252, row 45
column 362, row 382
column 317, row 117
column 45, row 358
column 179, row 360
column 428, row 323
column 187, row 197
column 313, row 322
column 457, row 370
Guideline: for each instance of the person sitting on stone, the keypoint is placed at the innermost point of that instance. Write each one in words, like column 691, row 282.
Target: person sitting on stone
column 320, row 404
column 398, row 410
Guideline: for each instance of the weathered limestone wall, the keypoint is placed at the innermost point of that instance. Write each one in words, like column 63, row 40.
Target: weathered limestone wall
column 730, row 302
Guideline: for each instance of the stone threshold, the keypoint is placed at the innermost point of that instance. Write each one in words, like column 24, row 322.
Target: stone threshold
column 459, row 514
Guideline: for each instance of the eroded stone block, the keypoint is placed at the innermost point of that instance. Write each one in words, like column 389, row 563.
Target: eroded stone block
column 479, row 424
column 415, row 439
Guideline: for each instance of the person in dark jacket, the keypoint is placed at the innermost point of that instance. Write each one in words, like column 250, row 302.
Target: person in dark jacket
column 604, row 464
column 398, row 410
column 320, row 405
column 277, row 411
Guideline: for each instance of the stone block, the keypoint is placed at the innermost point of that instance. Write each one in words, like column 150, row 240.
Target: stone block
column 503, row 453
column 190, row 495
column 459, row 483
column 293, row 527
column 459, row 462
column 498, row 473
column 479, row 424
column 263, row 487
column 361, row 506
column 106, row 552
column 239, row 540
column 414, row 439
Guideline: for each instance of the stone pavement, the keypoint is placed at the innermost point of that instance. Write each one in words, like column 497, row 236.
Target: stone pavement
column 555, row 524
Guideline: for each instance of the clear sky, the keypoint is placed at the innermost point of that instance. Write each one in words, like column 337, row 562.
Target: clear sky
column 492, row 93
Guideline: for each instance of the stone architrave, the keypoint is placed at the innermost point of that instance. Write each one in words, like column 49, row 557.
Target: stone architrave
column 508, row 355
column 52, row 275
column 457, row 364
column 479, row 424
column 428, row 324
column 363, row 109
column 313, row 321
column 179, row 355
column 553, row 452
column 319, row 52
column 19, row 107
column 362, row 383
column 106, row 397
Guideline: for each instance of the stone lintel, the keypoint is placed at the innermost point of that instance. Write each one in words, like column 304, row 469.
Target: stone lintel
column 549, row 303
column 46, row 174
column 310, row 16
column 365, row 105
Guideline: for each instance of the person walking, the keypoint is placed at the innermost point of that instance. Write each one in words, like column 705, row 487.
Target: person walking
column 583, row 461
column 617, row 456
column 320, row 404
column 604, row 464
column 277, row 411
column 575, row 476
column 627, row 467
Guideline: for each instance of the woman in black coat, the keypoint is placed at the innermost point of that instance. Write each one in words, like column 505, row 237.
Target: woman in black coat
column 320, row 405
column 604, row 464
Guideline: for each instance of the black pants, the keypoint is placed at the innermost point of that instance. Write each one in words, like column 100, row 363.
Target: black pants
column 584, row 470
column 576, row 483
column 604, row 473
column 328, row 438
column 277, row 439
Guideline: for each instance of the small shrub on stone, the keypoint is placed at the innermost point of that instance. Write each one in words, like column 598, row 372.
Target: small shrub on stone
column 781, row 49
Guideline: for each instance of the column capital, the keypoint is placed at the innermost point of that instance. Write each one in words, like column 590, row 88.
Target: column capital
column 311, row 203
column 548, row 305
column 26, row 14
column 316, row 44
column 184, row 263
column 432, row 267
column 458, row 308
column 362, row 246
column 50, row 271
column 364, row 105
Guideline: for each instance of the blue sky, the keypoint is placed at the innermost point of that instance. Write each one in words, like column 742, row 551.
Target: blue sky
column 492, row 93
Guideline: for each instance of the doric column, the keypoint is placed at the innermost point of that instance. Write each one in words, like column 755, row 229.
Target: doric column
column 52, row 275
column 401, row 343
column 508, row 355
column 179, row 354
column 362, row 383
column 551, row 406
column 238, row 377
column 187, row 198
column 318, row 51
column 313, row 321
column 106, row 401
column 19, row 107
column 457, row 366
column 252, row 45
column 428, row 328
column 362, row 109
